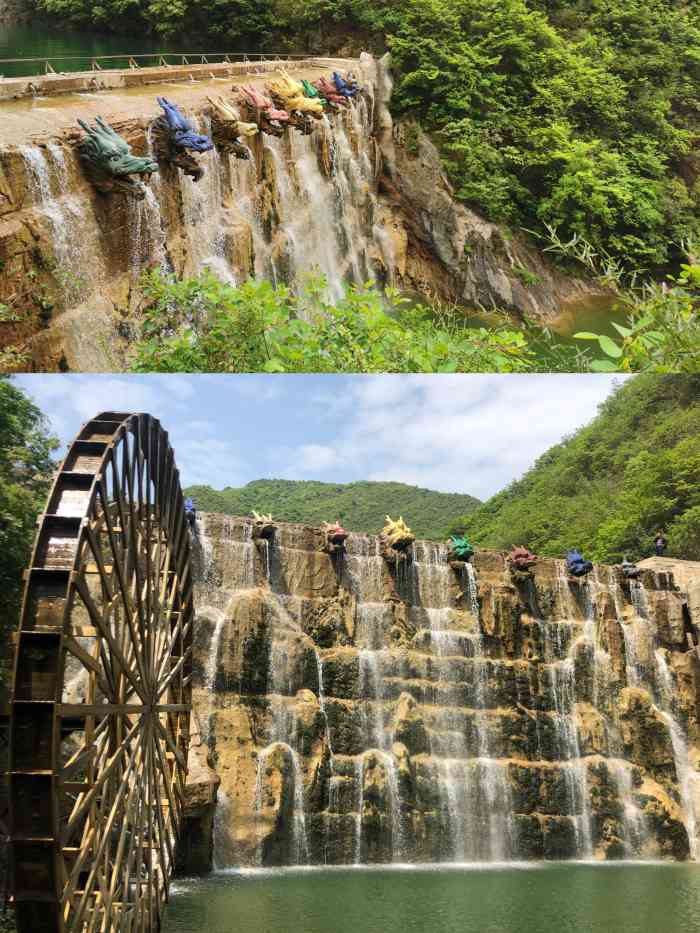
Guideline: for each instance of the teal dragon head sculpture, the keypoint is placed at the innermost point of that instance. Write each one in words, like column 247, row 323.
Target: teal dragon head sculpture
column 460, row 548
column 109, row 162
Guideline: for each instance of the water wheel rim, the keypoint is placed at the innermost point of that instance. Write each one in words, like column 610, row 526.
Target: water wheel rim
column 96, row 785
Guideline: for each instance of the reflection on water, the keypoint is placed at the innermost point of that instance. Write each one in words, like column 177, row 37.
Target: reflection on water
column 531, row 898
column 43, row 41
column 596, row 314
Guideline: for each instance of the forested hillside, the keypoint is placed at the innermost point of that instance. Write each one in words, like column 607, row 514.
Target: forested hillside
column 580, row 114
column 26, row 468
column 361, row 506
column 634, row 470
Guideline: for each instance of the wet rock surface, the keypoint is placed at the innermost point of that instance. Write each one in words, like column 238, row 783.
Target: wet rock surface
column 359, row 199
column 547, row 718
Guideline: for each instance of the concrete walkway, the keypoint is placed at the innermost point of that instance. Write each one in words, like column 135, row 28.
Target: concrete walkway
column 30, row 119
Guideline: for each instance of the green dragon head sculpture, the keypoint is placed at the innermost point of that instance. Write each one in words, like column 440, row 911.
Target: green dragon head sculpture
column 460, row 547
column 109, row 162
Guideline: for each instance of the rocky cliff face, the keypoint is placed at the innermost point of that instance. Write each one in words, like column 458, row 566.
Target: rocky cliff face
column 359, row 710
column 356, row 200
column 443, row 249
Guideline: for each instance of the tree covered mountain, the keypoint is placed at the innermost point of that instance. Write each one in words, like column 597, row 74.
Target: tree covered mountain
column 361, row 507
column 607, row 489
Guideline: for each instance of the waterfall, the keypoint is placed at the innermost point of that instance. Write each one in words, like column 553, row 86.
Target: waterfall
column 472, row 589
column 299, row 206
column 562, row 685
column 147, row 247
column 301, row 845
column 638, row 596
column 49, row 189
column 458, row 718
column 202, row 205
column 647, row 669
column 371, row 691
column 688, row 779
column 213, row 659
column 283, row 728
column 635, row 828
column 378, row 740
column 359, row 782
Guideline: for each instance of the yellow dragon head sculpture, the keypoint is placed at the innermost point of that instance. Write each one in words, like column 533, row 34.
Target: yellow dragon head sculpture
column 397, row 533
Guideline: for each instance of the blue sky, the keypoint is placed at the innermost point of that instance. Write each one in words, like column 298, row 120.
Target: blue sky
column 470, row 434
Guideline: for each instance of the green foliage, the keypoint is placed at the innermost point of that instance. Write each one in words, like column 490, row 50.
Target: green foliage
column 204, row 325
column 685, row 534
column 611, row 486
column 25, row 474
column 577, row 116
column 580, row 115
column 361, row 507
column 663, row 332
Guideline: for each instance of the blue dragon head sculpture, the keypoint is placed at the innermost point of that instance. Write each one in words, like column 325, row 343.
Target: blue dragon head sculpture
column 174, row 138
column 184, row 134
column 576, row 564
column 344, row 87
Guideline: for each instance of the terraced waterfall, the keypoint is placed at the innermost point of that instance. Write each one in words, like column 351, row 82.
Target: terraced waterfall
column 362, row 712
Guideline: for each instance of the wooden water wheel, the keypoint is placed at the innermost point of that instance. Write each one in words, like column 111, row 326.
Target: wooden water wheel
column 99, row 716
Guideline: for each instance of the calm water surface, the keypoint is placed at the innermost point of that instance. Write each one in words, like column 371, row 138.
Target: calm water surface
column 533, row 898
column 42, row 41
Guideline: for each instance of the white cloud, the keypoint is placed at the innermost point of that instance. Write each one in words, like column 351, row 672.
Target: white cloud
column 471, row 434
column 455, row 433
column 316, row 457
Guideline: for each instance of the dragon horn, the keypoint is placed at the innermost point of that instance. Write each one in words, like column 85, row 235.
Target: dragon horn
column 85, row 126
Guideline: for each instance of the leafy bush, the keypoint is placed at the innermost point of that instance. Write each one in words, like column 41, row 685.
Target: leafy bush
column 204, row 325
column 663, row 327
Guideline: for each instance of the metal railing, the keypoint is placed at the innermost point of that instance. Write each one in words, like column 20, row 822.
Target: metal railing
column 147, row 59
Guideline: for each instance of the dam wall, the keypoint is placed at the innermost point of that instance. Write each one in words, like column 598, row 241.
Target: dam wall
column 358, row 709
column 350, row 201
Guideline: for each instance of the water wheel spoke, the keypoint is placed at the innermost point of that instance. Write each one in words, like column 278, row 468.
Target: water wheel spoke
column 102, row 620
column 107, row 821
column 131, row 613
column 165, row 838
column 110, row 767
column 163, row 773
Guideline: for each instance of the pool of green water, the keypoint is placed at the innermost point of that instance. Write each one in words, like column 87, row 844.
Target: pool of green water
column 529, row 898
column 39, row 40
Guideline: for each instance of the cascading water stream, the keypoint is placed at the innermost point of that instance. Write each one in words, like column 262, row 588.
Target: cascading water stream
column 49, row 187
column 475, row 793
column 448, row 727
column 283, row 731
column 314, row 211
column 688, row 779
column 561, row 678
